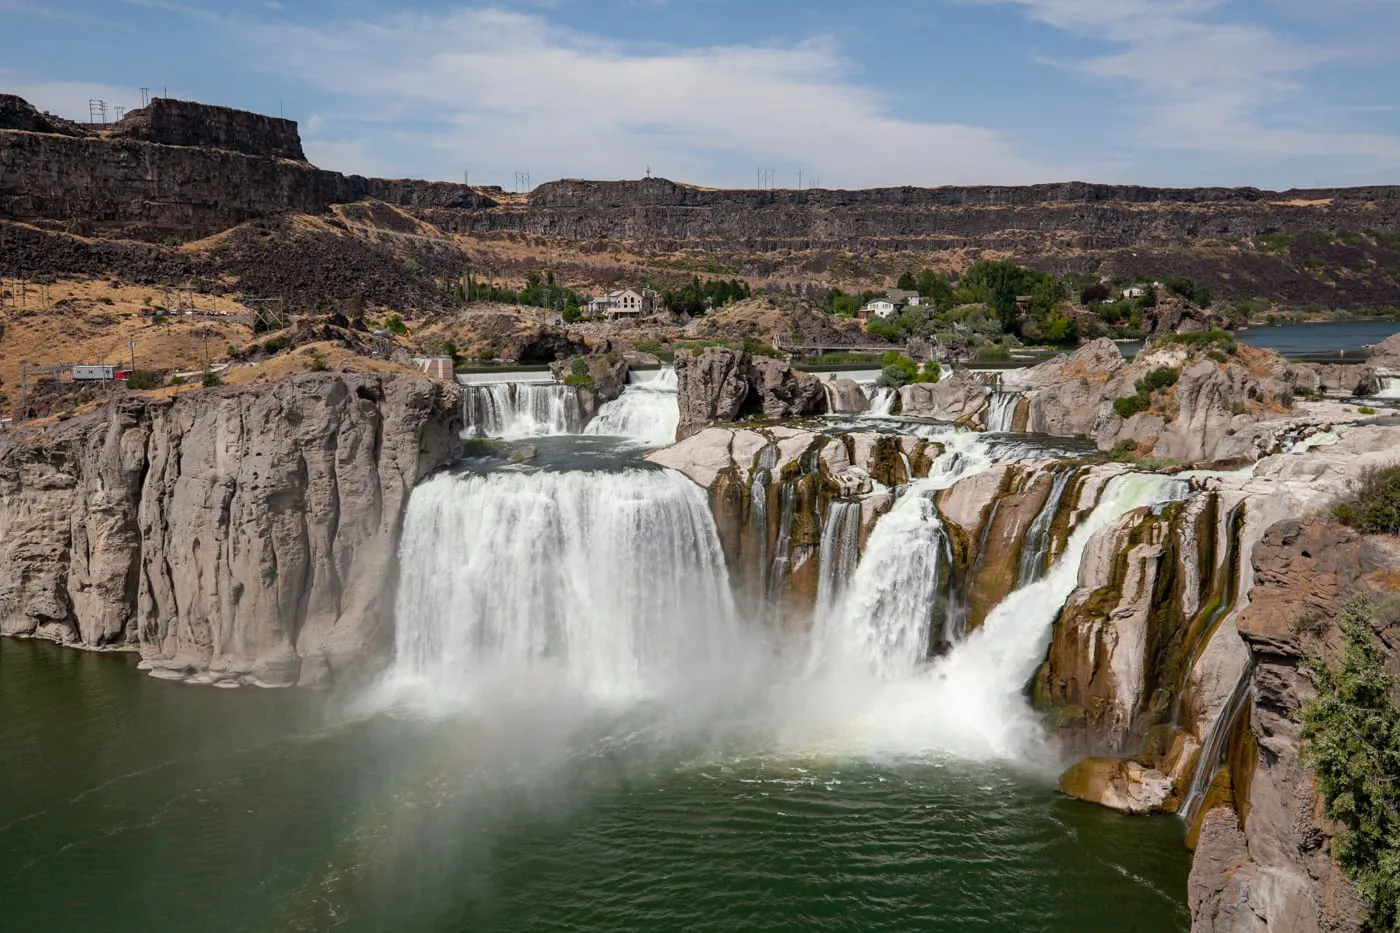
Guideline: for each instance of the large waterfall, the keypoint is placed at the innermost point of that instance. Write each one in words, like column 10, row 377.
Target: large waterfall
column 613, row 583
column 1035, row 549
column 647, row 411
column 1001, row 411
column 518, row 410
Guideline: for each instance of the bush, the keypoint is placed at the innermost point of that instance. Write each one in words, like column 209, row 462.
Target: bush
column 648, row 346
column 932, row 372
column 897, row 370
column 1163, row 377
column 1130, row 405
column 395, row 325
column 572, row 314
column 1353, row 733
column 318, row 363
column 996, row 354
column 277, row 345
column 177, row 380
column 1217, row 339
column 759, row 348
column 1366, row 410
column 142, row 379
column 487, row 355
column 1372, row 504
column 578, row 375
column 211, row 379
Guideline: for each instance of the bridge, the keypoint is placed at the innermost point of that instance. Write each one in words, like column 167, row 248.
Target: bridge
column 820, row 348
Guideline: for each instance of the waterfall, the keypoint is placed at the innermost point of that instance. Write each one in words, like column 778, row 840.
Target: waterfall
column 782, row 556
column 517, row 410
column 840, row 551
column 612, row 584
column 1390, row 387
column 1035, row 548
column 883, row 623
column 882, row 399
column 1213, row 751
column 1001, row 413
column 647, row 411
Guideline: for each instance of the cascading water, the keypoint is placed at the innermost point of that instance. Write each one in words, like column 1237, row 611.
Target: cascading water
column 647, row 411
column 1001, row 411
column 882, row 400
column 1213, row 751
column 1035, row 548
column 613, row 583
column 1390, row 387
column 518, row 410
column 840, row 552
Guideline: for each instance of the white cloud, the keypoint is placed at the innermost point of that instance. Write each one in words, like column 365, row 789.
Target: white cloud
column 1205, row 79
column 500, row 90
column 69, row 99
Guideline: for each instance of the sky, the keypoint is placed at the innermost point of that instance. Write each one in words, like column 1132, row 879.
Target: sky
column 1269, row 93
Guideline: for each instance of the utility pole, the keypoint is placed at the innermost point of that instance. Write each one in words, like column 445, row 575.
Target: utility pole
column 131, row 342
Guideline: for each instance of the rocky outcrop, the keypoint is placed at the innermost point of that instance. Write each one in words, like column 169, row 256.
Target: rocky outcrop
column 235, row 534
column 1173, row 315
column 719, row 385
column 1385, row 357
column 845, row 397
column 173, row 122
column 1273, row 869
column 1216, row 396
column 958, row 398
column 1337, row 378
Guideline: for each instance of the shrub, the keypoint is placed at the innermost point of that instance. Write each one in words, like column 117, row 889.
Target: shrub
column 759, row 348
column 572, row 314
column 141, row 379
column 487, row 355
column 177, row 380
column 896, row 370
column 105, row 299
column 234, row 353
column 579, row 367
column 1217, row 339
column 1163, row 377
column 277, row 345
column 578, row 375
column 996, row 354
column 318, row 363
column 395, row 325
column 211, row 379
column 648, row 346
column 1366, row 410
column 1372, row 504
column 1130, row 405
column 1353, row 733
column 932, row 372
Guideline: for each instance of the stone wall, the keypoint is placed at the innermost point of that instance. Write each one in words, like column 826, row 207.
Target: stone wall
column 246, row 534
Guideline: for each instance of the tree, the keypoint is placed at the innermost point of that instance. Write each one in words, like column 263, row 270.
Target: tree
column 937, row 289
column 1353, row 733
column 907, row 282
column 1061, row 330
column 571, row 313
column 897, row 369
column 931, row 372
column 1095, row 294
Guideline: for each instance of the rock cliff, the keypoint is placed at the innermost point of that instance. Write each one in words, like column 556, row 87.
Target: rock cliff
column 235, row 534
column 719, row 385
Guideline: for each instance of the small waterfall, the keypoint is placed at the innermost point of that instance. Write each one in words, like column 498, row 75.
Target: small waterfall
column 1001, row 413
column 1035, row 548
column 882, row 400
column 518, row 410
column 840, row 552
column 884, row 622
column 1390, row 387
column 1212, row 753
column 613, row 584
column 647, row 411
column 782, row 556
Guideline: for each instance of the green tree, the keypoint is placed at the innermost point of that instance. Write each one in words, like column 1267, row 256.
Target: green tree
column 907, row 282
column 897, row 369
column 211, row 379
column 571, row 313
column 1353, row 733
column 937, row 289
column 931, row 372
column 1061, row 330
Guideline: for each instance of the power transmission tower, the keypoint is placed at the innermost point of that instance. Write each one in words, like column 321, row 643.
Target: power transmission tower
column 145, row 96
column 97, row 112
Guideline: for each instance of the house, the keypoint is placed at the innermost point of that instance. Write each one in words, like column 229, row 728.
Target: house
column 904, row 298
column 1135, row 291
column 625, row 303
column 880, row 307
column 1023, row 302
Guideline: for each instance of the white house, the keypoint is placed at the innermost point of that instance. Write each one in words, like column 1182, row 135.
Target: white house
column 902, row 297
column 1135, row 291
column 625, row 303
column 880, row 307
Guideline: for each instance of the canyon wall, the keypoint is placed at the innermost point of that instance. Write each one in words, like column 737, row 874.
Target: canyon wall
column 240, row 534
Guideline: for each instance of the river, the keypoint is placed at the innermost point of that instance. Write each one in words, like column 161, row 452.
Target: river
column 133, row 804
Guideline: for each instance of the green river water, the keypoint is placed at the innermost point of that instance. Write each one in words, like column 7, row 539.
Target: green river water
column 128, row 803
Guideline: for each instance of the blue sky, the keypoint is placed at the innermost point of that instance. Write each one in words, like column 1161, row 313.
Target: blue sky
column 1271, row 93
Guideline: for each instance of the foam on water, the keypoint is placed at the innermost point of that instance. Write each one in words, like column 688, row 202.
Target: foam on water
column 647, row 411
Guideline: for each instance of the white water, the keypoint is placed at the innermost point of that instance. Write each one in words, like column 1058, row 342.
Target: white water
column 612, row 584
column 513, row 410
column 1035, row 550
column 970, row 703
column 882, row 399
column 648, row 411
column 1213, row 750
column 1390, row 387
column 840, row 553
column 1001, row 412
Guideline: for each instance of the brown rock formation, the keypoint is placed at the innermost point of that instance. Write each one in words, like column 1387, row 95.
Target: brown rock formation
column 1276, row 871
column 717, row 385
column 235, row 534
column 173, row 122
column 959, row 398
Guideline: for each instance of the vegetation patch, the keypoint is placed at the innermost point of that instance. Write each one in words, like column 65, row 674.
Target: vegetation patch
column 1353, row 733
column 1372, row 503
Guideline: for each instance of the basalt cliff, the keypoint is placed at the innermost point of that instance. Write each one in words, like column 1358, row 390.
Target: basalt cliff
column 237, row 534
column 185, row 170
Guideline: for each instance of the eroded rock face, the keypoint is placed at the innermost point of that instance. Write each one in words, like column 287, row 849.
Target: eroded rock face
column 244, row 534
column 1385, row 358
column 1337, row 378
column 1277, row 871
column 716, row 384
column 845, row 397
column 1066, row 394
column 958, row 398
